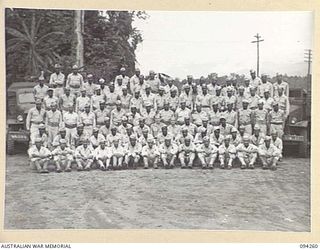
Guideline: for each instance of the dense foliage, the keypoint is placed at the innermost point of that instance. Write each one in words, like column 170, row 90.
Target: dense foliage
column 37, row 39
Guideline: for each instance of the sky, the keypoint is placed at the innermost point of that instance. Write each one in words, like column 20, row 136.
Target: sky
column 204, row 42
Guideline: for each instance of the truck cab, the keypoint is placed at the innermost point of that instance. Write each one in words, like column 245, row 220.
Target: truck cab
column 20, row 100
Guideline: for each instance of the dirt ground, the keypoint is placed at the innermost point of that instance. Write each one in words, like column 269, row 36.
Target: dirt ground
column 159, row 199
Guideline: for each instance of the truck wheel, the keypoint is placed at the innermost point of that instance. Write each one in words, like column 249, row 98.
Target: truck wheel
column 10, row 147
column 303, row 146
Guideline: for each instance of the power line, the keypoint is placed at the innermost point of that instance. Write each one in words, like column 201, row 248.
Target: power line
column 308, row 59
column 257, row 36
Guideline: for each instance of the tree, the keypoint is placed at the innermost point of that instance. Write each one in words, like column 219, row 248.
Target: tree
column 34, row 40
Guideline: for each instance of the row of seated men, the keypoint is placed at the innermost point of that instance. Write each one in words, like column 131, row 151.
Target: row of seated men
column 131, row 148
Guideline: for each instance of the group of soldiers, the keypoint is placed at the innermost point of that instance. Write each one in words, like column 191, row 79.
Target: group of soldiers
column 143, row 121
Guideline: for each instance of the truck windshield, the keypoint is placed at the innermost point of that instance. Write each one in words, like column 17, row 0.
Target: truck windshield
column 26, row 98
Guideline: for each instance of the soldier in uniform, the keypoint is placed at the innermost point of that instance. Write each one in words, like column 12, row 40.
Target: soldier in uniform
column 235, row 137
column 156, row 127
column 168, row 151
column 180, row 138
column 257, row 138
column 231, row 115
column 141, row 86
column 39, row 156
column 225, row 128
column 134, row 80
column 187, row 153
column 70, row 120
column 186, row 96
column 96, row 138
column 280, row 83
column 118, row 153
column 133, row 153
column 62, row 156
column 267, row 100
column 117, row 114
column 136, row 101
column 247, row 153
column 50, row 99
column 82, row 100
column 34, row 118
column 240, row 97
column 170, row 86
column 207, row 153
column 101, row 113
column 173, row 100
column 111, row 98
column 125, row 99
column 66, row 99
column 40, row 90
column 198, row 115
column 57, row 78
column 40, row 134
column 139, row 128
column 254, row 81
column 277, row 142
column 105, row 129
column 265, row 84
column 268, row 154
column 230, row 98
column 214, row 114
column 74, row 81
column 283, row 101
column 97, row 98
column 62, row 134
column 150, row 154
column 192, row 128
column 134, row 116
column 182, row 112
column 148, row 114
column 78, row 137
column 166, row 114
column 253, row 98
column 153, row 82
column 218, row 98
column 227, row 153
column 102, row 155
column 260, row 117
column 245, row 117
column 53, row 121
column 84, row 155
column 114, row 136
column 276, row 118
column 88, row 119
column 205, row 99
column 246, row 87
column 160, row 98
column 89, row 85
column 216, row 138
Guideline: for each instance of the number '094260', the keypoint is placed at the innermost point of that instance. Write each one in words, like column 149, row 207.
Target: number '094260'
column 308, row 245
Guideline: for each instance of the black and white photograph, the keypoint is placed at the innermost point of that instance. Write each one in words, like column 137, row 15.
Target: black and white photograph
column 127, row 119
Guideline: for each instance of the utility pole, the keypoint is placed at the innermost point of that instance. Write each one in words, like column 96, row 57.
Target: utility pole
column 79, row 26
column 308, row 59
column 257, row 36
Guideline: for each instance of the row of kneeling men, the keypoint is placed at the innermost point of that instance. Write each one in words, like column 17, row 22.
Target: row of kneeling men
column 113, row 152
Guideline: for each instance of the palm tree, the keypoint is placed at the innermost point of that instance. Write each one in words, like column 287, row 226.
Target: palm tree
column 31, row 43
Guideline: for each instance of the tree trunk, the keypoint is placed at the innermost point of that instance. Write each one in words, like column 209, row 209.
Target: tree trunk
column 78, row 24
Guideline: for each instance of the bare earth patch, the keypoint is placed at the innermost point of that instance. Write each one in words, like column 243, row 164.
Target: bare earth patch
column 159, row 199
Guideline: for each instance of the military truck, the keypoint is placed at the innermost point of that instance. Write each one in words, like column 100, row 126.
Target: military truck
column 19, row 100
column 297, row 127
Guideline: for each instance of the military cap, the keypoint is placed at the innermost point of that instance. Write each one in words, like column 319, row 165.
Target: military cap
column 42, row 126
column 245, row 101
column 75, row 66
column 229, row 102
column 222, row 116
column 182, row 101
column 189, row 76
column 145, row 129
column 124, row 118
column 218, row 88
column 227, row 137
column 54, row 104
column 267, row 138
column 37, row 140
column 274, row 132
column 234, row 130
column 106, row 119
column 123, row 69
column 133, row 106
column 56, row 143
column 241, row 87
column 67, row 88
column 186, row 86
column 101, row 102
column 246, row 137
column 111, row 84
column 137, row 69
column 198, row 104
column 119, row 77
column 193, row 84
column 124, row 87
column 167, row 138
column 216, row 128
column 241, row 127
column 215, row 103
column 147, row 86
column 161, row 88
column 41, row 78
column 57, row 66
column 151, row 72
column 275, row 104
column 90, row 76
column 118, row 102
column 206, row 138
column 187, row 139
column 113, row 128
column 83, row 89
column 133, row 137
column 229, row 89
column 157, row 116
column 266, row 90
column 201, row 130
column 260, row 101
column 263, row 74
column 148, row 104
column 205, row 119
column 184, row 129
column 187, row 118
column 95, row 129
column 102, row 141
column 252, row 71
column 164, row 126
column 50, row 89
column 246, row 79
column 204, row 86
column 150, row 140
column 252, row 87
column 38, row 101
column 256, row 127
column 61, row 129
column 80, row 125
column 173, row 89
column 63, row 141
column 101, row 81
column 87, row 105
column 85, row 140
